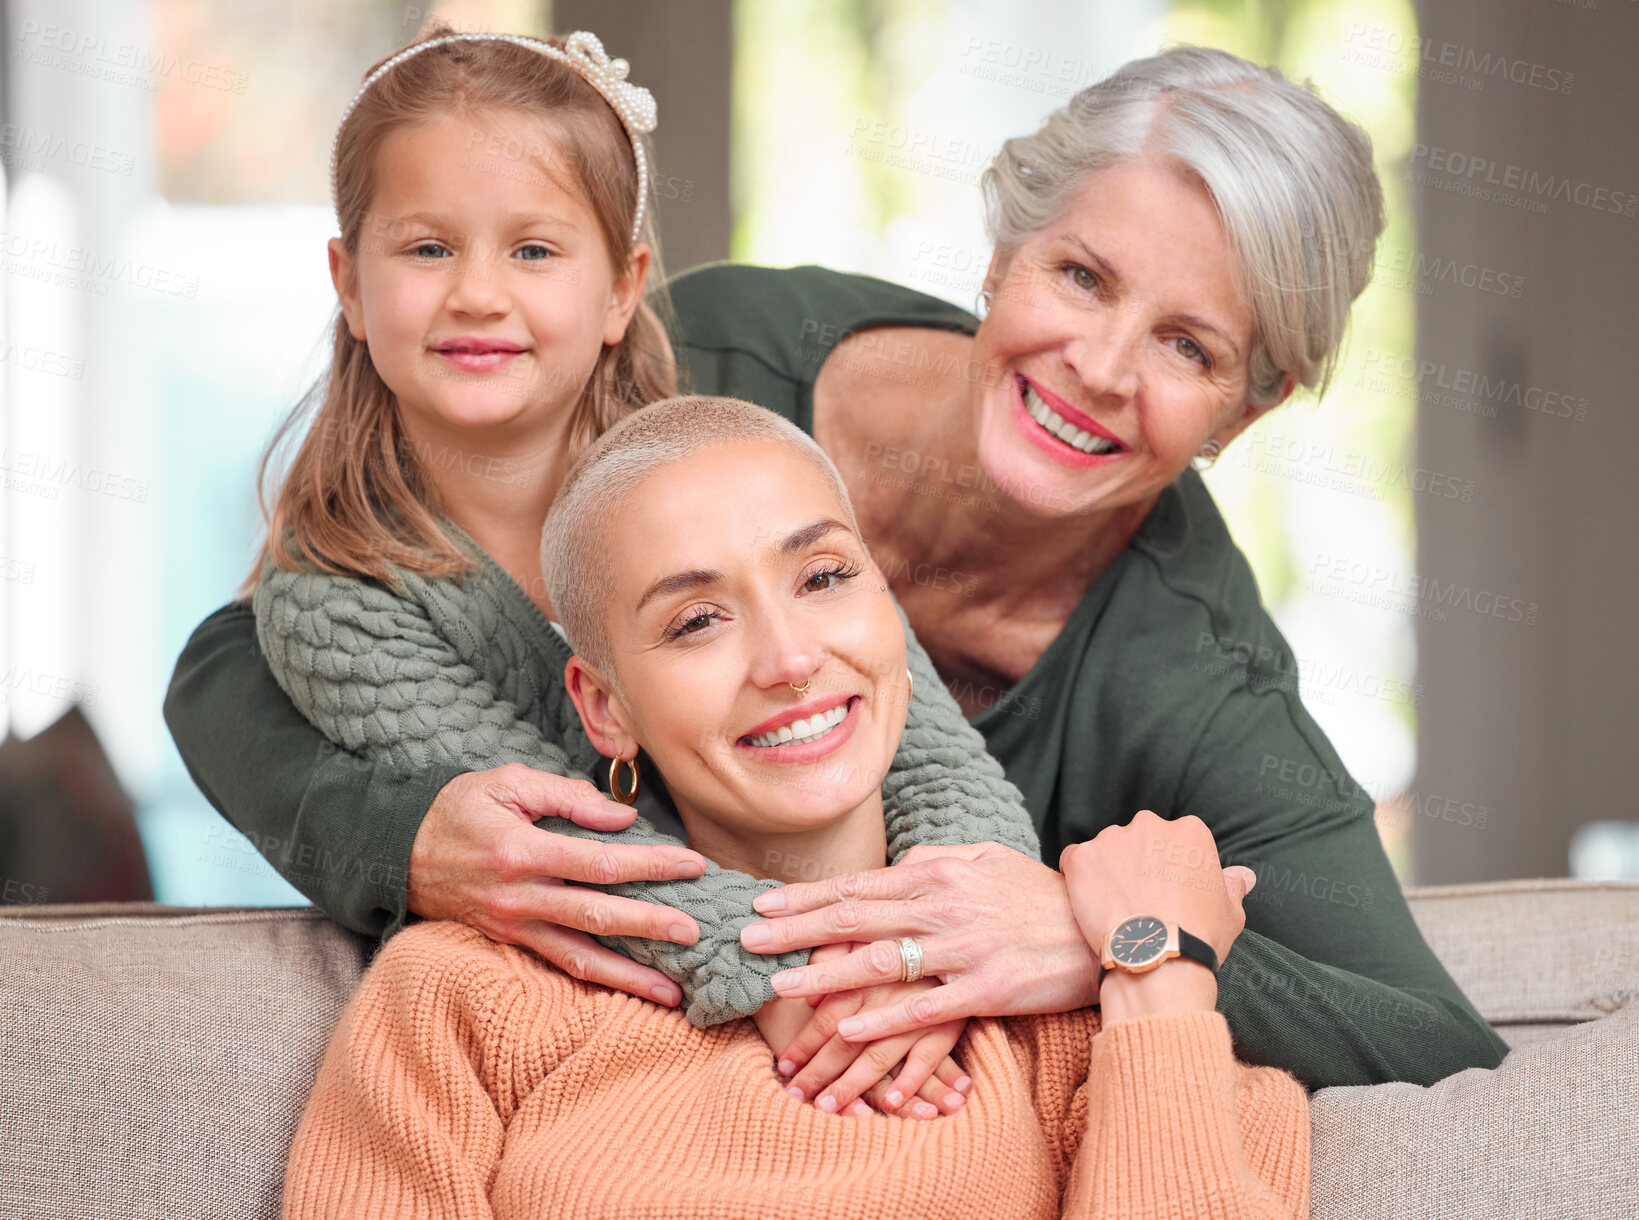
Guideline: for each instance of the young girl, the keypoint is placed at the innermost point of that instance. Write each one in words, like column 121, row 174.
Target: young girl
column 494, row 248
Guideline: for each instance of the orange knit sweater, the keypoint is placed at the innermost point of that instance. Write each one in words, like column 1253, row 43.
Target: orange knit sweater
column 470, row 1079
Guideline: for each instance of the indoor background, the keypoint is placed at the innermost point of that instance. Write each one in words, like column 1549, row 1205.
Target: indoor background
column 1446, row 540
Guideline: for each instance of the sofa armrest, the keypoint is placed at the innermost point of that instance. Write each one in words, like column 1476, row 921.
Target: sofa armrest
column 1536, row 956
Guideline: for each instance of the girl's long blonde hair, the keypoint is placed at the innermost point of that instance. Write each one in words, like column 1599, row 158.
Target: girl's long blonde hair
column 355, row 500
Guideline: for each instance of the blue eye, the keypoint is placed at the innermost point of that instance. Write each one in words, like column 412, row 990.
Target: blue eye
column 534, row 254
column 429, row 250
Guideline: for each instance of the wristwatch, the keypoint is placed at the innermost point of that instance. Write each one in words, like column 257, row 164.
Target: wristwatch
column 1142, row 942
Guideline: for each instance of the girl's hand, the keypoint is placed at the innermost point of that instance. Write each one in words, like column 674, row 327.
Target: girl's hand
column 994, row 924
column 1163, row 867
column 478, row 859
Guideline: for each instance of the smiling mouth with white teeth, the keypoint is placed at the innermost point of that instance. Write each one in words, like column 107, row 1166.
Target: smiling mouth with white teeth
column 1051, row 421
column 801, row 732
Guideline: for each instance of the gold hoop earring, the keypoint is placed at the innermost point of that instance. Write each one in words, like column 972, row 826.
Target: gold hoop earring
column 628, row 797
column 802, row 690
column 910, row 678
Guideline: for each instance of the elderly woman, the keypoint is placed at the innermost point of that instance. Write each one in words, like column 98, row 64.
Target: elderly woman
column 467, row 1078
column 1176, row 252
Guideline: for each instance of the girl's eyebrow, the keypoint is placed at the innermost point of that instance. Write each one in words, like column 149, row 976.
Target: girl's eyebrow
column 437, row 220
column 530, row 218
column 431, row 219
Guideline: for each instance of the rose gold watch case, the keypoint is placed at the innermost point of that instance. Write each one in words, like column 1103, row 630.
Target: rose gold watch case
column 1170, row 951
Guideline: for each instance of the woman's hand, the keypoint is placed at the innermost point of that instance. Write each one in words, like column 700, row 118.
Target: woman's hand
column 842, row 1077
column 1167, row 868
column 478, row 859
column 779, row 1021
column 914, row 1067
column 995, row 925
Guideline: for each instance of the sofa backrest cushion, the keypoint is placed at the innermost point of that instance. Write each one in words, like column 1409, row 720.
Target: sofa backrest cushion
column 155, row 1060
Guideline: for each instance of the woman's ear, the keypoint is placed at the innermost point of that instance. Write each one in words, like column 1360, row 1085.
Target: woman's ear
column 627, row 291
column 601, row 712
column 994, row 274
column 347, row 287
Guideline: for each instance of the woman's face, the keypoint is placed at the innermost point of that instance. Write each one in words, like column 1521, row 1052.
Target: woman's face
column 482, row 285
column 737, row 577
column 1117, row 343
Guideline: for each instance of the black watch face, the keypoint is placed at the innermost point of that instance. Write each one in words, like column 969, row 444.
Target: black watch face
column 1138, row 940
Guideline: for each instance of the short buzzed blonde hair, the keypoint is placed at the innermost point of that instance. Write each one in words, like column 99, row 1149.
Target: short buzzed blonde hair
column 574, row 561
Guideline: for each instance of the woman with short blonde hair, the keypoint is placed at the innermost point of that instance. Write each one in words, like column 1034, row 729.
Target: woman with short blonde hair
column 468, row 1079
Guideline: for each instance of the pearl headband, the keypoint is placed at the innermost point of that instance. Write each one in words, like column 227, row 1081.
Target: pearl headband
column 584, row 53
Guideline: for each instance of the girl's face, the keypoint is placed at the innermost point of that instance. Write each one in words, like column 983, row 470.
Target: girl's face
column 1118, row 342
column 737, row 577
column 482, row 283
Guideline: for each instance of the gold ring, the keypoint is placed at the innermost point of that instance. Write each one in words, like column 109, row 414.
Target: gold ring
column 803, row 689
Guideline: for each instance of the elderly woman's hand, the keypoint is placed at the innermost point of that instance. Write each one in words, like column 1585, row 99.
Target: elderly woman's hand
column 478, row 858
column 995, row 925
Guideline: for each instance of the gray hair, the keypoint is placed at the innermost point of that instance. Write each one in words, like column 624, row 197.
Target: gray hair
column 574, row 562
column 1291, row 178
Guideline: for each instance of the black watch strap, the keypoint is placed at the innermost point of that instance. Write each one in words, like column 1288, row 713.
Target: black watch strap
column 1196, row 949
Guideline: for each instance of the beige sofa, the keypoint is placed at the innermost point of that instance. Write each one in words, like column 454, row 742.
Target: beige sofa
column 154, row 1062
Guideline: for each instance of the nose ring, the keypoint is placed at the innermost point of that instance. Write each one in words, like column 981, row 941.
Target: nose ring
column 800, row 690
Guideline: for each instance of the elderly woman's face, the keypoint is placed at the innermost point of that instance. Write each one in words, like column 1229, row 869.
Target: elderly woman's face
column 738, row 578
column 1116, row 344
